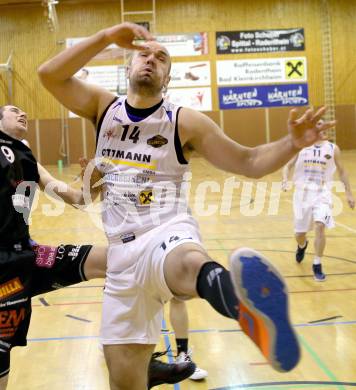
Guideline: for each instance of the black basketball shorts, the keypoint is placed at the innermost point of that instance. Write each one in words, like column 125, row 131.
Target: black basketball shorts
column 16, row 269
column 57, row 267
column 26, row 273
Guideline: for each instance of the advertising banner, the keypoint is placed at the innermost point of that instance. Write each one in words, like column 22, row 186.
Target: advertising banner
column 178, row 45
column 261, row 70
column 260, row 41
column 106, row 76
column 111, row 52
column 190, row 74
column 195, row 98
column 263, row 96
column 194, row 44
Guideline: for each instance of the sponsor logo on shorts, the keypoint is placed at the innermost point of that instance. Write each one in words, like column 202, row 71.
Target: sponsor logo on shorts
column 20, row 200
column 74, row 252
column 127, row 237
column 10, row 321
column 62, row 252
column 13, row 303
column 45, row 256
column 11, row 287
column 157, row 141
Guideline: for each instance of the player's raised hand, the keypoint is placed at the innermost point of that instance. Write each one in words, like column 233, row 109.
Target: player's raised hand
column 126, row 33
column 307, row 129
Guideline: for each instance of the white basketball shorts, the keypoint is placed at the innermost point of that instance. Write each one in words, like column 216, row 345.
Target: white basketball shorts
column 307, row 212
column 135, row 288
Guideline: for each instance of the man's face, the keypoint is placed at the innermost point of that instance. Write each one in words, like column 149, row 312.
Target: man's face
column 150, row 68
column 14, row 122
column 323, row 133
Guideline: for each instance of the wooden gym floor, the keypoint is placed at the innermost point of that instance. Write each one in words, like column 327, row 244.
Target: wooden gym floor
column 63, row 352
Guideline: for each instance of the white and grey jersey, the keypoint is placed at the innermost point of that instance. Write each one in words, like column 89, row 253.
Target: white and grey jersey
column 144, row 170
column 314, row 169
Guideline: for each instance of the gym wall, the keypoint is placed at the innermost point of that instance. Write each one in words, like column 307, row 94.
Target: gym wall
column 24, row 30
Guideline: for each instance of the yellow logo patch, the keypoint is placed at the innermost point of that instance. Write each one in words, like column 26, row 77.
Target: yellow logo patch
column 146, row 197
column 11, row 287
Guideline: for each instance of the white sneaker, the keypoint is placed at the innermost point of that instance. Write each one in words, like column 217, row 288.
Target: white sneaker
column 199, row 373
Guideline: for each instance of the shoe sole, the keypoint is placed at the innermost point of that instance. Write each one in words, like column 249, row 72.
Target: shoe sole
column 299, row 260
column 198, row 376
column 176, row 378
column 319, row 280
column 264, row 314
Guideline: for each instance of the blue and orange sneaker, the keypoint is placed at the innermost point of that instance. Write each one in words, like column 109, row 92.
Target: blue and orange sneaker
column 264, row 313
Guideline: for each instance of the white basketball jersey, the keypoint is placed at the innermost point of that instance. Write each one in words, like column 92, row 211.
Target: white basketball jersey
column 314, row 170
column 144, row 170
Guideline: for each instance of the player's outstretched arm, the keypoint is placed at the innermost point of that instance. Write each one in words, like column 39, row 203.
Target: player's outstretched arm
column 202, row 134
column 73, row 196
column 57, row 74
column 344, row 177
column 92, row 180
column 57, row 188
column 286, row 172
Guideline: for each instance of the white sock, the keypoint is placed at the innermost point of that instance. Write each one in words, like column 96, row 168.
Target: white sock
column 317, row 260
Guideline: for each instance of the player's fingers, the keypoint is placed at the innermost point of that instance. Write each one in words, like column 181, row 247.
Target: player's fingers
column 308, row 115
column 293, row 115
column 305, row 117
column 320, row 112
column 326, row 126
column 83, row 162
column 142, row 33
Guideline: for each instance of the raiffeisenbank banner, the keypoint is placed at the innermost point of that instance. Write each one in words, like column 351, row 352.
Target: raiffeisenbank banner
column 261, row 70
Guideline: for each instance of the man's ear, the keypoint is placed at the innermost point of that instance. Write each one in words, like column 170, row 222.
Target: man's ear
column 127, row 71
column 168, row 79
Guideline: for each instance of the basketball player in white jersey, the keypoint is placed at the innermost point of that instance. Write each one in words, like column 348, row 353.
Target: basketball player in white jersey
column 28, row 269
column 155, row 251
column 314, row 168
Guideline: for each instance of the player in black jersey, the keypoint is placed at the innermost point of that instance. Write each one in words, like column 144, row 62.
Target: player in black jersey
column 28, row 269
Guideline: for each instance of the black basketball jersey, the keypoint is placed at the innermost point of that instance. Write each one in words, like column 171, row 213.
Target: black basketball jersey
column 18, row 167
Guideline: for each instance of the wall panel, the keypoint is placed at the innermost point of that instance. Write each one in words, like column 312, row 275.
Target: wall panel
column 346, row 126
column 278, row 122
column 50, row 141
column 214, row 115
column 343, row 21
column 23, row 29
column 31, row 137
column 247, row 127
column 75, row 139
column 90, row 139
